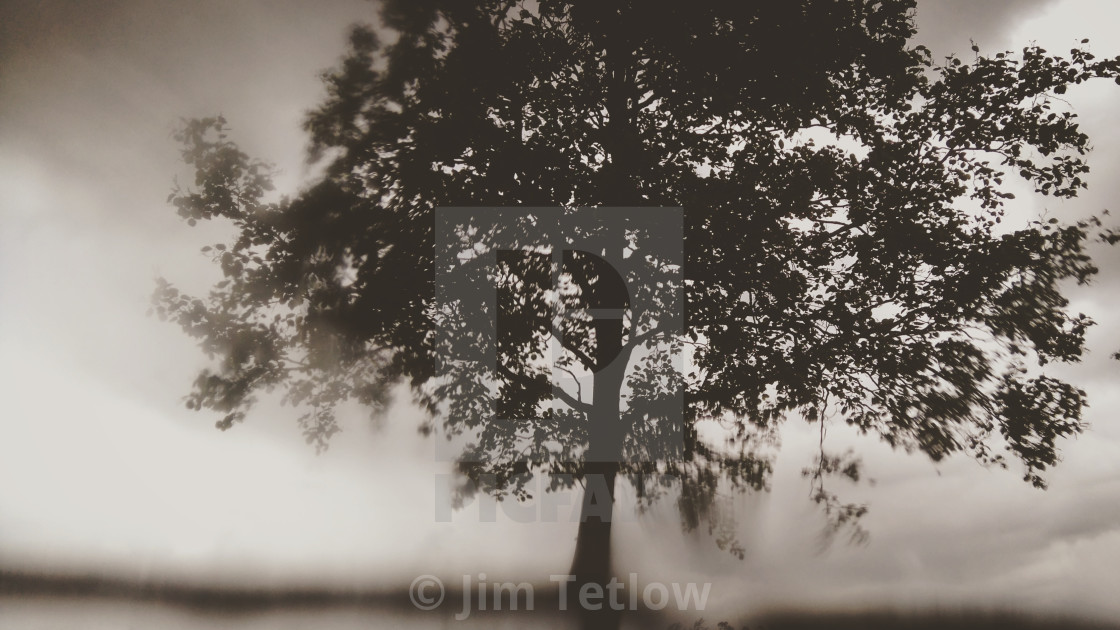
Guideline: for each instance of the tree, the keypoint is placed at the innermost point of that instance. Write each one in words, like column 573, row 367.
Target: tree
column 843, row 249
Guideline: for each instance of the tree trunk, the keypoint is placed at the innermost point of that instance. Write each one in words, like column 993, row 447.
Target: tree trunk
column 591, row 563
column 592, row 560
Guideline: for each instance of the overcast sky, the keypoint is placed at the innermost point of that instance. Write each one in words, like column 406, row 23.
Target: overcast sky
column 102, row 468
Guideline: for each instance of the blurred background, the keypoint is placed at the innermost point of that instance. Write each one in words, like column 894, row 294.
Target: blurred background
column 104, row 472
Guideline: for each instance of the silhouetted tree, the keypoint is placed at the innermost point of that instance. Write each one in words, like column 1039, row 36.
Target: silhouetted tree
column 843, row 254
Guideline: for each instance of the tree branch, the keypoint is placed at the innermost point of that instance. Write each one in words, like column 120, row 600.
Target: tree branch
column 587, row 361
column 642, row 338
column 559, row 392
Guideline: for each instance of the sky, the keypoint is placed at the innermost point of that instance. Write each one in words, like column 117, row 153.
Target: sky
column 103, row 469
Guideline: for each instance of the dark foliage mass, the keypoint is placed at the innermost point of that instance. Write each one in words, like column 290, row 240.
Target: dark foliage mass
column 844, row 256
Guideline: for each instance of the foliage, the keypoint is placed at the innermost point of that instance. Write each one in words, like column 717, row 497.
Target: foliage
column 843, row 196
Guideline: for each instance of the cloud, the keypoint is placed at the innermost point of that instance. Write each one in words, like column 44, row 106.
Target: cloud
column 947, row 26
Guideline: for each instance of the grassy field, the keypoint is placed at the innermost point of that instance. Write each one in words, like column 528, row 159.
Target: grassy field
column 92, row 603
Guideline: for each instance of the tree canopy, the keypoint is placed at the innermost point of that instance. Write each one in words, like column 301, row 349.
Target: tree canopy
column 842, row 195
